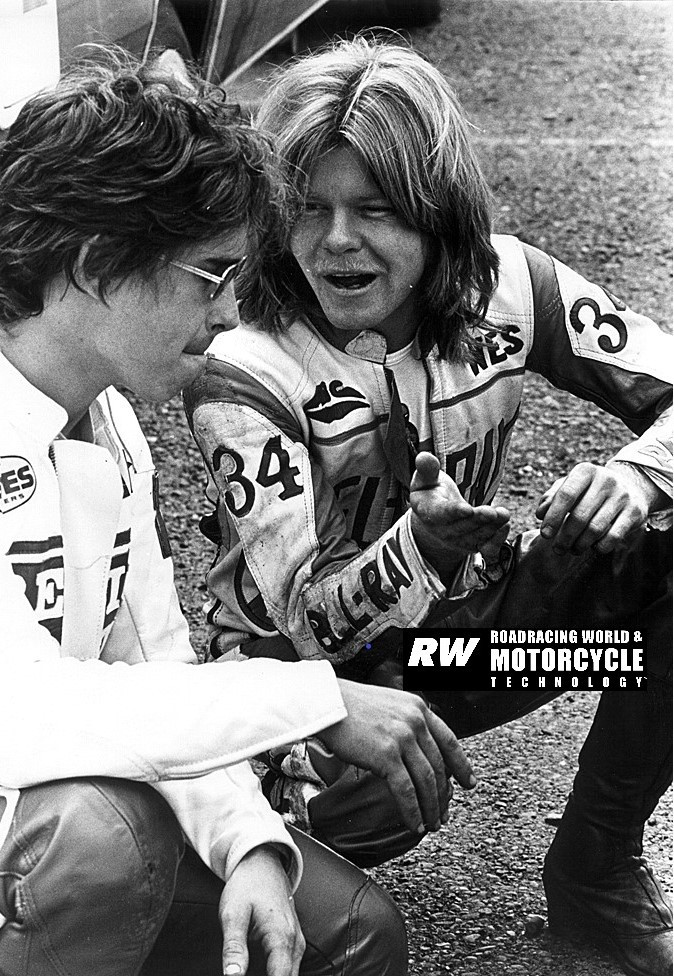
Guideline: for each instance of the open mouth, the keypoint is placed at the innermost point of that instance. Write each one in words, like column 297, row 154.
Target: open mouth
column 350, row 282
column 195, row 350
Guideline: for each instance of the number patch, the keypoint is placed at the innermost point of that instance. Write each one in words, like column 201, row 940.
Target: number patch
column 240, row 491
column 275, row 468
column 285, row 474
column 607, row 341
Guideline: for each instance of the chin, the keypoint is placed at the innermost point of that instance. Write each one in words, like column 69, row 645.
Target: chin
column 191, row 367
column 166, row 390
column 349, row 321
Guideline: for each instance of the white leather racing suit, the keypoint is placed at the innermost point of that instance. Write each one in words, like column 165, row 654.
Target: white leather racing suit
column 312, row 541
column 95, row 660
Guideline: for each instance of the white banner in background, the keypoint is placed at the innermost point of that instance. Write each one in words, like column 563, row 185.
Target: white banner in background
column 29, row 53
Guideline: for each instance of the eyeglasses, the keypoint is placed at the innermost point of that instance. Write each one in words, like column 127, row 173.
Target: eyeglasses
column 220, row 281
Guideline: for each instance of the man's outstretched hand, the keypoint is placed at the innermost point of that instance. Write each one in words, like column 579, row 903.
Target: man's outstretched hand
column 397, row 737
column 446, row 528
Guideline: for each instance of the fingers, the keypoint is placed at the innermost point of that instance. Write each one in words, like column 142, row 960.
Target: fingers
column 493, row 519
column 454, row 516
column 454, row 758
column 419, row 780
column 590, row 507
column 427, row 471
column 256, row 910
column 564, row 501
column 467, row 533
column 429, row 776
column 415, row 812
column 396, row 736
column 445, row 526
column 546, row 498
column 235, row 944
column 413, row 783
column 586, row 527
column 284, row 959
column 491, row 548
column 443, row 788
column 281, row 940
column 619, row 535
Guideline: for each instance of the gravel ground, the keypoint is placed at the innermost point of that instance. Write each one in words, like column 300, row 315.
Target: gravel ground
column 571, row 103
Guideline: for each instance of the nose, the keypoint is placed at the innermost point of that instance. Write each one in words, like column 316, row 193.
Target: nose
column 341, row 233
column 223, row 313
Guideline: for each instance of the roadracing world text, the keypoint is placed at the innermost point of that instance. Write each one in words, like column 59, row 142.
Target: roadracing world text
column 478, row 659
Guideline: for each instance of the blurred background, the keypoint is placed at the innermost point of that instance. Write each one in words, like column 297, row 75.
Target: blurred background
column 226, row 37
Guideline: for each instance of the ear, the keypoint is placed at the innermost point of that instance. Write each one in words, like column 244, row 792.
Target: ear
column 85, row 282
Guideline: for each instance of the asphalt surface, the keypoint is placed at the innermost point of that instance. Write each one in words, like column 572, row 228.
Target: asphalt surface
column 572, row 107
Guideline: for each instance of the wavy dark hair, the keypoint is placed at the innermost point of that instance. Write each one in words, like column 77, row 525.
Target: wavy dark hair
column 133, row 160
column 398, row 112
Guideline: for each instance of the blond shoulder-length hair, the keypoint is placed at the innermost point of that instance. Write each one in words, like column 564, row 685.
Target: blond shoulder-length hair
column 399, row 113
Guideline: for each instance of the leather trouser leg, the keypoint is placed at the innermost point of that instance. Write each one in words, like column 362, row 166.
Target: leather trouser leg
column 350, row 924
column 86, row 878
column 597, row 882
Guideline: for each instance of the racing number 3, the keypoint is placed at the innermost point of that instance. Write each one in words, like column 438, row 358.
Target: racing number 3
column 604, row 341
column 231, row 464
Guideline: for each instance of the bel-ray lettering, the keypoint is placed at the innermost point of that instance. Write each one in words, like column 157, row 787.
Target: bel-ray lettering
column 376, row 588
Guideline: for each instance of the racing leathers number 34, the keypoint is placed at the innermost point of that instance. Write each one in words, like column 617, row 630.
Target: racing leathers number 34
column 312, row 544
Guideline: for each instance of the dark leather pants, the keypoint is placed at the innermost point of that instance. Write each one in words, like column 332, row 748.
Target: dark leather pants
column 95, row 881
column 542, row 589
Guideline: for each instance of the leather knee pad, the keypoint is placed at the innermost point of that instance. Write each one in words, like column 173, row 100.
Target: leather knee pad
column 352, row 926
column 380, row 939
column 91, row 867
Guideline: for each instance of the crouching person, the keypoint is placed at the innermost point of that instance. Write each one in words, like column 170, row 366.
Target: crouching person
column 356, row 440
column 133, row 835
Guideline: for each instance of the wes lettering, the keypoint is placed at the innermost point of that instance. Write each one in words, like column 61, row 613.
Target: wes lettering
column 17, row 482
column 497, row 348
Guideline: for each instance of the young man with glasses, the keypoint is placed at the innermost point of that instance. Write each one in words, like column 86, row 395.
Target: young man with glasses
column 128, row 201
column 356, row 439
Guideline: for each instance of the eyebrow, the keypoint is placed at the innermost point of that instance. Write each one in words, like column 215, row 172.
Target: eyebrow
column 377, row 197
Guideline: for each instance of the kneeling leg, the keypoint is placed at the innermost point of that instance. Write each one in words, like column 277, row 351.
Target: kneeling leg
column 87, row 873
